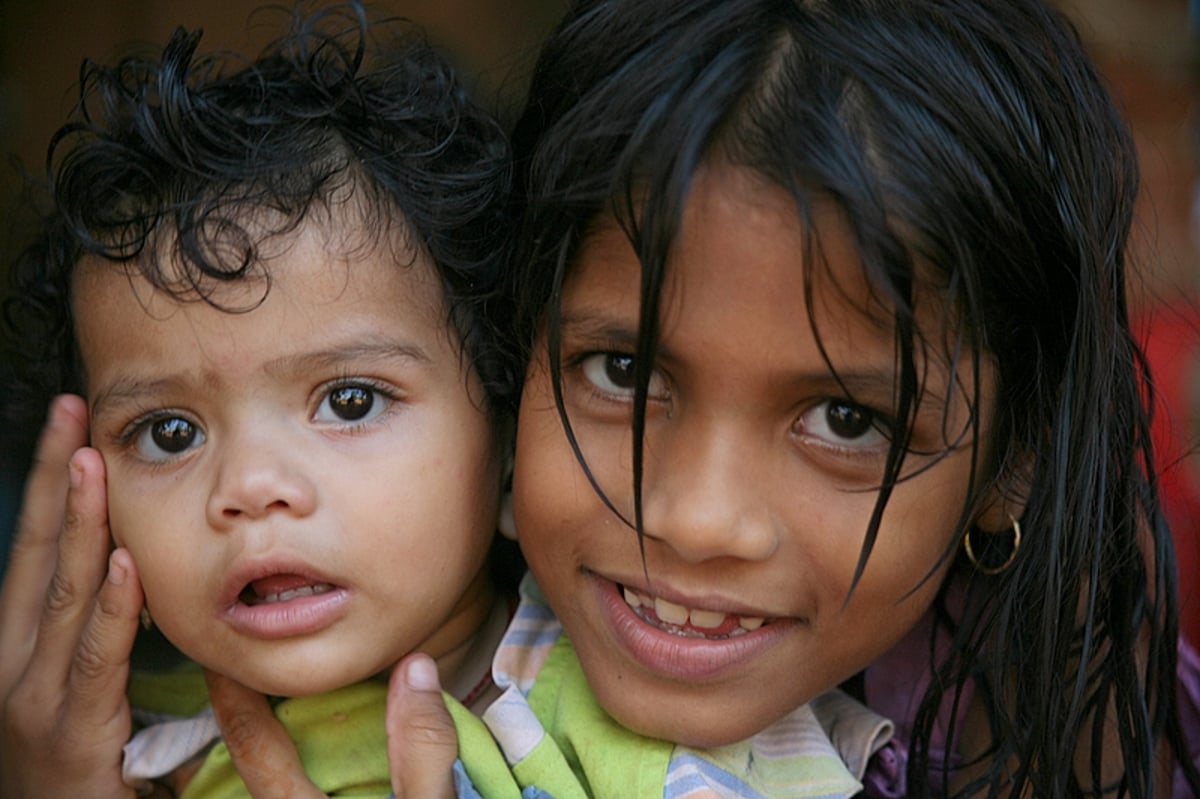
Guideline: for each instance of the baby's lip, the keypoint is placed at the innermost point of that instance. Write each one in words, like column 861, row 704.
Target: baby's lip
column 274, row 579
column 281, row 588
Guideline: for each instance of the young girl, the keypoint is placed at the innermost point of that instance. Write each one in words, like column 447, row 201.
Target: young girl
column 831, row 384
column 273, row 284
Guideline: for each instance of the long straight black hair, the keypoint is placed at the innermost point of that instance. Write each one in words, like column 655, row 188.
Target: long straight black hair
column 975, row 155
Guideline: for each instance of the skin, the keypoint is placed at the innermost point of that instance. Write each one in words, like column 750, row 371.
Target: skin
column 68, row 616
column 330, row 439
column 755, row 500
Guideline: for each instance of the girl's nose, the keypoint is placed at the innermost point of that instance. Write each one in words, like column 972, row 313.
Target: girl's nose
column 706, row 498
column 256, row 478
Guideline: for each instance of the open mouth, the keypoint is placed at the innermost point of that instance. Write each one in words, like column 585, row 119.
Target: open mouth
column 281, row 588
column 689, row 622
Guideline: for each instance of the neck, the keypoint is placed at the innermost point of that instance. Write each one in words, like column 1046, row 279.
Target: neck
column 468, row 642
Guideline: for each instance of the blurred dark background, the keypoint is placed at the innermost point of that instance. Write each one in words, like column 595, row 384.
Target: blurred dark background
column 1146, row 48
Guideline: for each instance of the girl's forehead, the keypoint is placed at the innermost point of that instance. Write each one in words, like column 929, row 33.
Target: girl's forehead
column 726, row 203
column 802, row 249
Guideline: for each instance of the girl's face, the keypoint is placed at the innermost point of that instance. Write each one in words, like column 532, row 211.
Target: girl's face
column 761, row 473
column 309, row 488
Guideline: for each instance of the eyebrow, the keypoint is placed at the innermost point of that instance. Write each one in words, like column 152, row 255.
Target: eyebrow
column 131, row 387
column 599, row 325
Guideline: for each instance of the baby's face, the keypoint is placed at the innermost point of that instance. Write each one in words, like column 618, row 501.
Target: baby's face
column 309, row 488
column 761, row 473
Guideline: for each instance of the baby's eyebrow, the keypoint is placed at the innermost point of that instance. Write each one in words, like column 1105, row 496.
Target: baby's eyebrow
column 130, row 388
column 359, row 351
column 135, row 388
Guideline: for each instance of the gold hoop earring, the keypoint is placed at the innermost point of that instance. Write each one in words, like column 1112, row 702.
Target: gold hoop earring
column 982, row 567
column 144, row 617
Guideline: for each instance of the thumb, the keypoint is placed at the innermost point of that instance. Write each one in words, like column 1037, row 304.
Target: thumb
column 260, row 747
column 422, row 743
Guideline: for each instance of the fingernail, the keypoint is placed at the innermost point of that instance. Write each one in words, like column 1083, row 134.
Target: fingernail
column 422, row 675
column 116, row 570
column 74, row 473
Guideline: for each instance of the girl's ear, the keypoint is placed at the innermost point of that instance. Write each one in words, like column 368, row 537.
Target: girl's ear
column 504, row 518
column 1006, row 500
column 993, row 539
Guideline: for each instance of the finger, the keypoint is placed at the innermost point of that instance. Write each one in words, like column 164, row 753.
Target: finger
column 67, row 742
column 34, row 550
column 260, row 747
column 422, row 743
column 82, row 557
column 96, row 698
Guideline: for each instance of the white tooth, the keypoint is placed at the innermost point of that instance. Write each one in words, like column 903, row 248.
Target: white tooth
column 292, row 593
column 632, row 599
column 751, row 622
column 707, row 619
column 670, row 612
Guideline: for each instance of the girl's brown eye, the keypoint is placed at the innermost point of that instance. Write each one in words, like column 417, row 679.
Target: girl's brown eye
column 847, row 420
column 844, row 425
column 619, row 370
column 612, row 374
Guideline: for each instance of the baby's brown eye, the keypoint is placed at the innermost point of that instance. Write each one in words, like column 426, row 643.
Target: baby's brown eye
column 159, row 439
column 351, row 403
column 173, row 435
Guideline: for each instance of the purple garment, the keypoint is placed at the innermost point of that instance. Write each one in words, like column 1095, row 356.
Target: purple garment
column 895, row 683
column 1189, row 712
column 893, row 687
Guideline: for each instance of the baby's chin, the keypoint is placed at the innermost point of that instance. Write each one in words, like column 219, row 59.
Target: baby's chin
column 300, row 679
column 294, row 688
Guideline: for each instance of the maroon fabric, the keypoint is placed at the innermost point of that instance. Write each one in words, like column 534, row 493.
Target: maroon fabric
column 1170, row 335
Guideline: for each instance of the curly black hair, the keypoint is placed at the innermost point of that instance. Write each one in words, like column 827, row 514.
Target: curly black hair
column 196, row 160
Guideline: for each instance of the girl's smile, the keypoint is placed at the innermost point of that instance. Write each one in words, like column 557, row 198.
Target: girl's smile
column 761, row 472
column 692, row 644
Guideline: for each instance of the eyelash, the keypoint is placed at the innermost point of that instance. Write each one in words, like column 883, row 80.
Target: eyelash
column 389, row 393
column 579, row 364
column 879, row 423
column 128, row 436
column 875, row 422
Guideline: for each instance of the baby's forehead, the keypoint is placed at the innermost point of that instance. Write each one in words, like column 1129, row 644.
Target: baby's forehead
column 235, row 255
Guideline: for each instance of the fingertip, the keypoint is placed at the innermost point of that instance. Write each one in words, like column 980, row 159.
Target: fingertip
column 121, row 567
column 84, row 459
column 118, row 571
column 69, row 408
column 421, row 673
column 415, row 672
